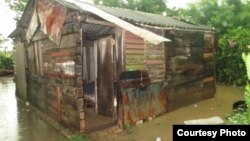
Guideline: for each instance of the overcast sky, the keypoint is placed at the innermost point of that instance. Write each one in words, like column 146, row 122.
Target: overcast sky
column 7, row 24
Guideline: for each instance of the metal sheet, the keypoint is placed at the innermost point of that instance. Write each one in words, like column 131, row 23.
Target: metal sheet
column 147, row 35
column 51, row 18
column 143, row 103
column 33, row 25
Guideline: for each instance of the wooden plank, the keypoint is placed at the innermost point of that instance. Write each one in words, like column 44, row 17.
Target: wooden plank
column 151, row 62
column 208, row 56
column 134, row 41
column 208, row 79
column 130, row 35
column 69, row 40
column 134, row 51
column 134, row 46
column 135, row 67
column 61, row 53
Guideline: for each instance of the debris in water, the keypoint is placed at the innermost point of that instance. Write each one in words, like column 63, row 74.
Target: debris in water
column 27, row 103
column 158, row 139
column 139, row 122
column 195, row 105
column 212, row 120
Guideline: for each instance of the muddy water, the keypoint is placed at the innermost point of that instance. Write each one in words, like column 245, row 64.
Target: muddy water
column 17, row 122
column 220, row 105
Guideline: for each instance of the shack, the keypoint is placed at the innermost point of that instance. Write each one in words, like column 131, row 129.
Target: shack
column 90, row 66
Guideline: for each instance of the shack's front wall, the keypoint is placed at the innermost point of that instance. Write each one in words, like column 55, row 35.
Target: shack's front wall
column 144, row 93
column 188, row 74
column 54, row 74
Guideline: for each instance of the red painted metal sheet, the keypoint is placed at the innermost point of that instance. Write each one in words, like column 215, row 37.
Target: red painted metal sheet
column 51, row 17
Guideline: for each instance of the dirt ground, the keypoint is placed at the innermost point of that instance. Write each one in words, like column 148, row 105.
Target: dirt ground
column 220, row 105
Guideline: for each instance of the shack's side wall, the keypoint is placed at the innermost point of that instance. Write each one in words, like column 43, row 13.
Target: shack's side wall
column 54, row 75
column 190, row 68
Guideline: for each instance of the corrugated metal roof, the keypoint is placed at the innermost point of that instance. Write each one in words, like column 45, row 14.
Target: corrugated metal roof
column 151, row 19
column 128, row 15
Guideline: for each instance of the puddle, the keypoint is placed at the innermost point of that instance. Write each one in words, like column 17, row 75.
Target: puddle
column 17, row 122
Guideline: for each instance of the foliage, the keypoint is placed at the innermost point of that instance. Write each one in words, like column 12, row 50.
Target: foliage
column 229, row 63
column 243, row 116
column 238, row 117
column 246, row 58
column 78, row 138
column 17, row 6
column 6, row 60
column 223, row 15
column 2, row 39
column 128, row 128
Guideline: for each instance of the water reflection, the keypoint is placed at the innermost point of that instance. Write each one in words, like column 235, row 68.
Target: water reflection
column 8, row 110
column 18, row 122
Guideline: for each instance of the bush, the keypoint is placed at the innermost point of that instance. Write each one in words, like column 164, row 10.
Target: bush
column 6, row 60
column 242, row 116
column 230, row 67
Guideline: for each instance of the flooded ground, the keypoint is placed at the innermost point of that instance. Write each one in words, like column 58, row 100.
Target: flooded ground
column 17, row 122
column 220, row 105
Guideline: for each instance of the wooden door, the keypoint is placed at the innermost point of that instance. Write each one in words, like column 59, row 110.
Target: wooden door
column 105, row 77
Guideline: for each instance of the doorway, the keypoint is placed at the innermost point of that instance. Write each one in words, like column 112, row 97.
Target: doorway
column 99, row 88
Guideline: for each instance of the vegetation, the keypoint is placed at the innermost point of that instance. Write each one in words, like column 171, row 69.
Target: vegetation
column 242, row 116
column 78, row 138
column 18, row 6
column 6, row 60
column 230, row 65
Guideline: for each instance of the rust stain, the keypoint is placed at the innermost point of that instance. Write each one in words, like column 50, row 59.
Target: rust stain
column 163, row 99
column 51, row 18
column 151, row 108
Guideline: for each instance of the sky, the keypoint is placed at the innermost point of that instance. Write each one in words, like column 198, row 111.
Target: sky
column 8, row 24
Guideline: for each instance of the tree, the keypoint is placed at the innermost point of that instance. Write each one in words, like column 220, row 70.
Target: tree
column 18, row 6
column 2, row 39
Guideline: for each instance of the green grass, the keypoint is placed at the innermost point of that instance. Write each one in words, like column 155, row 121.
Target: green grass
column 78, row 138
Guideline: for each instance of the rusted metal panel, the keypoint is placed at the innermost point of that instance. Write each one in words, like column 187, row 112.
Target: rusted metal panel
column 105, row 78
column 143, row 103
column 51, row 18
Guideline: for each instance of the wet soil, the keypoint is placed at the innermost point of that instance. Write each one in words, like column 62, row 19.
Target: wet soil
column 18, row 122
